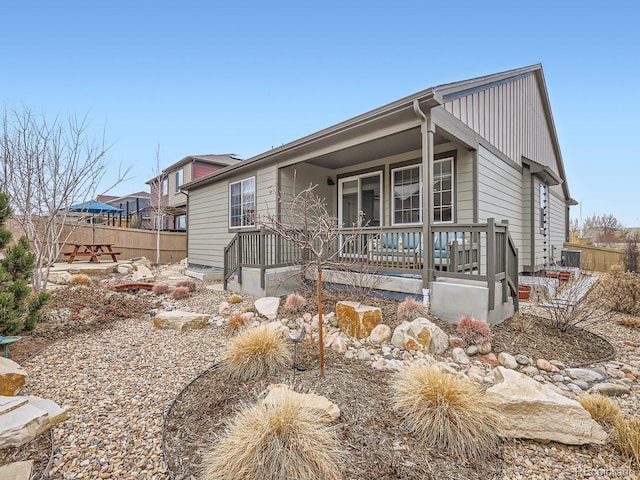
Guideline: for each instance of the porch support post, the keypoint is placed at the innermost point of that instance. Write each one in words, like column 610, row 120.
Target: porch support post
column 427, row 130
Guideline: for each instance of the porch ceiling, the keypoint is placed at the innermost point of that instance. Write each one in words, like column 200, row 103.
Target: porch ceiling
column 394, row 144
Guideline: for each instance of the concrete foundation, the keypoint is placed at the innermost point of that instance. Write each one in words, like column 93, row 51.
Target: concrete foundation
column 451, row 300
column 278, row 282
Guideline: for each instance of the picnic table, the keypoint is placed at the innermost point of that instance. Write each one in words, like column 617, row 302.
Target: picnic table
column 92, row 250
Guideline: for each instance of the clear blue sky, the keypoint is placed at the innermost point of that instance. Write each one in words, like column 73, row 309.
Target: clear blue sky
column 244, row 76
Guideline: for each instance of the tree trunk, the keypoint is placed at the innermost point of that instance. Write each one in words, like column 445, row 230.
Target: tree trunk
column 320, row 322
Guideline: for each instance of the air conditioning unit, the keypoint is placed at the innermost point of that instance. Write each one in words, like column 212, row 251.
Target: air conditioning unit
column 572, row 258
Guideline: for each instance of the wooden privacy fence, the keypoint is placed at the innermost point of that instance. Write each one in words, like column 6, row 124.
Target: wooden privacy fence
column 598, row 259
column 132, row 242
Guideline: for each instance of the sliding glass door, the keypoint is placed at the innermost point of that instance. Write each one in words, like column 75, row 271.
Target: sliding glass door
column 360, row 200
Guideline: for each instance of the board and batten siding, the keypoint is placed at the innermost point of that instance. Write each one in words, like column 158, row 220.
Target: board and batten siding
column 500, row 194
column 557, row 221
column 463, row 192
column 209, row 232
column 510, row 116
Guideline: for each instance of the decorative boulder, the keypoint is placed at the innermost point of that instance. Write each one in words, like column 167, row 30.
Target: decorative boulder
column 357, row 320
column 59, row 278
column 420, row 334
column 17, row 470
column 141, row 273
column 12, row 377
column 380, row 334
column 610, row 389
column 532, row 410
column 179, row 320
column 268, row 307
column 279, row 391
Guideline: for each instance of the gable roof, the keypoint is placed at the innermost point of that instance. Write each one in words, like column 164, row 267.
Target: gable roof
column 430, row 97
column 219, row 159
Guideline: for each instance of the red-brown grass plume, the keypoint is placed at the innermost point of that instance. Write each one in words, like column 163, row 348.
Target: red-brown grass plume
column 160, row 289
column 255, row 352
column 295, row 303
column 179, row 293
column 474, row 331
column 285, row 440
column 235, row 322
column 447, row 412
column 410, row 309
column 189, row 284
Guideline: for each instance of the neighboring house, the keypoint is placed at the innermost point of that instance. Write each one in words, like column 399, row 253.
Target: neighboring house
column 166, row 188
column 496, row 196
column 135, row 211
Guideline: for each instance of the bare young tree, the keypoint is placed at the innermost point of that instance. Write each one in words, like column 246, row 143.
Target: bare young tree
column 157, row 197
column 305, row 223
column 47, row 166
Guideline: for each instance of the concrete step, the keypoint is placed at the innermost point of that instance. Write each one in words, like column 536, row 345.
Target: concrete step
column 16, row 471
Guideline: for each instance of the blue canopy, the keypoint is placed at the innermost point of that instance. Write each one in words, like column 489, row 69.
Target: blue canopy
column 94, row 207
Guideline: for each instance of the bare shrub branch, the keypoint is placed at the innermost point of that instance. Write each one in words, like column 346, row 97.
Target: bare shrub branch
column 47, row 166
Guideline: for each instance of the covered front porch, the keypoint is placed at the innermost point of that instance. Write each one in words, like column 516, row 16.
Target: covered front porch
column 473, row 267
column 403, row 189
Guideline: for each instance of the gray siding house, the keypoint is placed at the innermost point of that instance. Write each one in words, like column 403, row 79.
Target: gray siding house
column 474, row 165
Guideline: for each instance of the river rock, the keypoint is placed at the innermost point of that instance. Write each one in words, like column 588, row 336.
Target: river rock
column 380, row 334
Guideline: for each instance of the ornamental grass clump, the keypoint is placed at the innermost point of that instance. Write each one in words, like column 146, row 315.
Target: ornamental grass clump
column 80, row 279
column 626, row 438
column 188, row 284
column 235, row 322
column 180, row 293
column 295, row 303
column 254, row 353
column 235, row 298
column 447, row 412
column 474, row 331
column 284, row 440
column 160, row 289
column 410, row 309
column 602, row 409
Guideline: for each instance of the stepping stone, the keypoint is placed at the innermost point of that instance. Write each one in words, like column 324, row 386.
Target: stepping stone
column 11, row 403
column 55, row 412
column 179, row 320
column 16, row 471
column 22, row 425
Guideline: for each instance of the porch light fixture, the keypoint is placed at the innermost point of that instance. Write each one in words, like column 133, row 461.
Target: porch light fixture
column 330, row 181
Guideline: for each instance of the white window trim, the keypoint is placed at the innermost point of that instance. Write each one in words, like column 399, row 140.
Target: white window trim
column 253, row 180
column 359, row 177
column 393, row 186
column 453, row 197
column 179, row 177
column 164, row 186
column 453, row 189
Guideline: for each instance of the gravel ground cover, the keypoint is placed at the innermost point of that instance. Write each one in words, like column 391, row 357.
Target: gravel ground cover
column 119, row 381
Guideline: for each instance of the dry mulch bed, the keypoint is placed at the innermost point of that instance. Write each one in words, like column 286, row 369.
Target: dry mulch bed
column 375, row 444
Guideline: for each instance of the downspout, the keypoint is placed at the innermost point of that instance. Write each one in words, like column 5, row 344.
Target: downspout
column 426, row 130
